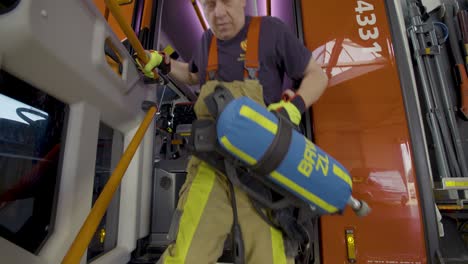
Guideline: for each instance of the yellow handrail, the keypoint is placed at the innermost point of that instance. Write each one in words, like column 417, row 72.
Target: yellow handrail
column 128, row 31
column 199, row 14
column 89, row 227
column 268, row 7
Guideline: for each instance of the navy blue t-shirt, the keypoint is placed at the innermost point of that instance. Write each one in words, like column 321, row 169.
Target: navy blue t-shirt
column 280, row 51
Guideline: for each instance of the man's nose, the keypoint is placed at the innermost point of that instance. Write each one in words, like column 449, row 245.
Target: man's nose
column 220, row 9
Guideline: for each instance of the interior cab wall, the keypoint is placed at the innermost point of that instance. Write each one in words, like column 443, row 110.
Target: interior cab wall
column 58, row 47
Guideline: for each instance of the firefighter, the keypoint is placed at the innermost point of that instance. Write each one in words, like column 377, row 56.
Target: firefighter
column 250, row 56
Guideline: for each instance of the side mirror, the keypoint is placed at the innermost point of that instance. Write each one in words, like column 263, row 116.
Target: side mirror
column 124, row 2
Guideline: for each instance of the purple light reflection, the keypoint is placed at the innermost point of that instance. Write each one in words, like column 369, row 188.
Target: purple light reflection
column 282, row 10
column 139, row 17
column 202, row 13
column 181, row 26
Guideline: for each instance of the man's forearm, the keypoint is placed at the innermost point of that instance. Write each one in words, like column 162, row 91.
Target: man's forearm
column 180, row 71
column 313, row 85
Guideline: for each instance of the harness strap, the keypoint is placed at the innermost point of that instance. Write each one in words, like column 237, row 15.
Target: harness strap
column 277, row 150
column 251, row 63
column 212, row 67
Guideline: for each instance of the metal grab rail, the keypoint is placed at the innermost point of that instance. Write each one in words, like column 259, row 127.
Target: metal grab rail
column 199, row 14
column 82, row 240
column 128, row 31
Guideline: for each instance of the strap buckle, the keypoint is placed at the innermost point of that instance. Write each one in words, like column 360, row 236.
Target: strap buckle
column 251, row 73
column 218, row 100
column 211, row 75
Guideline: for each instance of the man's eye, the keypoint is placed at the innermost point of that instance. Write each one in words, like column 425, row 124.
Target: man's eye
column 209, row 4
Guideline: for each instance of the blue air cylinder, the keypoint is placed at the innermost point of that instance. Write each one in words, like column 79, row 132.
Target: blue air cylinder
column 246, row 130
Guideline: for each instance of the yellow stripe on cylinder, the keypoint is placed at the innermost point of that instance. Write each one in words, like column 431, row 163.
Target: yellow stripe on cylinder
column 343, row 175
column 303, row 192
column 256, row 117
column 239, row 153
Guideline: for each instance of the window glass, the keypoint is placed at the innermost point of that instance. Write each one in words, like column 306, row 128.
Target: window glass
column 31, row 139
column 109, row 152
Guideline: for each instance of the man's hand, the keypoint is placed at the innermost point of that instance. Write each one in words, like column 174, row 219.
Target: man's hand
column 175, row 69
column 158, row 60
column 292, row 104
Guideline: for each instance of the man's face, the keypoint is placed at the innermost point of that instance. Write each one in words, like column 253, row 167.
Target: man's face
column 226, row 17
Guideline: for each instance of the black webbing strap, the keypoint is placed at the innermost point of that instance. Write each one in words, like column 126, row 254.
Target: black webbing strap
column 278, row 149
column 217, row 101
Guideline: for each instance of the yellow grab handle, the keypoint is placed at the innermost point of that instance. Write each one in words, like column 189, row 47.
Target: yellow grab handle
column 268, row 3
column 128, row 31
column 82, row 240
column 199, row 14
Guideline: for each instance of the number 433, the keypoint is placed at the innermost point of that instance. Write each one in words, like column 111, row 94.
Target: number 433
column 366, row 19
